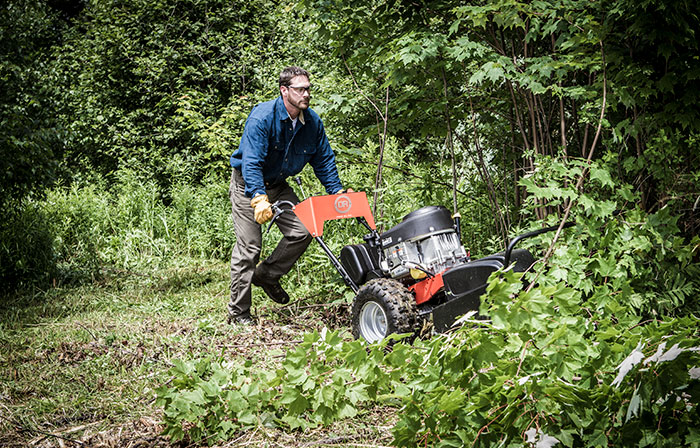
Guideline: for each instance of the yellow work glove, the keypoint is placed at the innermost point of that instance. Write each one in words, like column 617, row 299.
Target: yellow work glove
column 263, row 208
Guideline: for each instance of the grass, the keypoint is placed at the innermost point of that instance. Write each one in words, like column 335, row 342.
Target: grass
column 79, row 365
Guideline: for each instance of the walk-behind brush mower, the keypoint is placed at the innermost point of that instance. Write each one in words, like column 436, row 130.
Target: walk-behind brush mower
column 402, row 276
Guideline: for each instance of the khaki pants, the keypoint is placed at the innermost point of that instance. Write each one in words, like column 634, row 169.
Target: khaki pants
column 246, row 251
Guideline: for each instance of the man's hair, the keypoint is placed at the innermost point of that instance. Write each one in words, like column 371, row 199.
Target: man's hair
column 289, row 73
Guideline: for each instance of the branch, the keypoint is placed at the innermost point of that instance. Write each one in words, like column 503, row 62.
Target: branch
column 382, row 134
column 450, row 143
column 493, row 196
column 584, row 173
column 410, row 174
column 382, row 143
column 362, row 92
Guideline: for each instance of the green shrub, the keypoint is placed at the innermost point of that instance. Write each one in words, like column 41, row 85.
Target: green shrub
column 26, row 247
column 79, row 223
column 616, row 253
column 200, row 219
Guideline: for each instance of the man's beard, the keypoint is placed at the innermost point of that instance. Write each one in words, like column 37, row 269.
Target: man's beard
column 301, row 104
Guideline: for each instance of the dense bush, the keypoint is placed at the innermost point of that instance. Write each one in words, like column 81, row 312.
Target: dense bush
column 153, row 85
column 30, row 133
column 641, row 260
column 26, row 248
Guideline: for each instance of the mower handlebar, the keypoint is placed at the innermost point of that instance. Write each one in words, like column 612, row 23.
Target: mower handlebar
column 277, row 210
column 517, row 239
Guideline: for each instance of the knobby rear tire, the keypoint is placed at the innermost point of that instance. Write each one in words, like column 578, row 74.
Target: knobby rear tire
column 382, row 307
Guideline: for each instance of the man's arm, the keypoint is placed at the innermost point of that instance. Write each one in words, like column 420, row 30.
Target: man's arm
column 323, row 163
column 254, row 150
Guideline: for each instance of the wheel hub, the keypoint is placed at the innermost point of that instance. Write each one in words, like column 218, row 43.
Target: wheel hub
column 373, row 322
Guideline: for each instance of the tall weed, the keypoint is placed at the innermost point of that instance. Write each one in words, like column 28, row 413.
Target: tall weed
column 200, row 219
column 79, row 225
column 78, row 233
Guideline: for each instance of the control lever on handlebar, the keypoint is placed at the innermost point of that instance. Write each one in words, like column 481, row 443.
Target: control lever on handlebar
column 278, row 210
column 298, row 181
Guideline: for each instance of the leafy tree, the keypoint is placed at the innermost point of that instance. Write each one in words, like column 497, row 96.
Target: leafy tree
column 30, row 134
column 509, row 81
column 157, row 85
column 652, row 52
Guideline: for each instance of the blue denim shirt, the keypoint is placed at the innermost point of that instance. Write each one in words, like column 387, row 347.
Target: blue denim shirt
column 270, row 150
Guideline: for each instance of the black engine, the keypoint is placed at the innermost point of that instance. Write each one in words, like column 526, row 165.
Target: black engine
column 424, row 243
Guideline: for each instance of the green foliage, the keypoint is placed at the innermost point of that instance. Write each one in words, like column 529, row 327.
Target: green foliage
column 483, row 66
column 150, row 84
column 79, row 232
column 518, row 79
column 632, row 260
column 30, row 135
column 653, row 61
column 26, row 248
column 322, row 380
column 164, row 89
column 539, row 369
column 589, row 355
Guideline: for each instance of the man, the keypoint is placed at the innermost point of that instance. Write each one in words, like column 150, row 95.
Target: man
column 280, row 137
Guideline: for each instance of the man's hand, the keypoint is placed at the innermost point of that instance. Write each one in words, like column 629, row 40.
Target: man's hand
column 263, row 208
column 349, row 190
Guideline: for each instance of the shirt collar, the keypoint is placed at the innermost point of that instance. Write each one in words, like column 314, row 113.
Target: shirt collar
column 283, row 114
